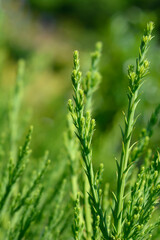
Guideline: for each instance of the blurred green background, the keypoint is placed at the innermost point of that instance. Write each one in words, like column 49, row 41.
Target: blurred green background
column 45, row 33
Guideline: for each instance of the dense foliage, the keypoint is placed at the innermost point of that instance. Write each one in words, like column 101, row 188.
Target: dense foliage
column 67, row 198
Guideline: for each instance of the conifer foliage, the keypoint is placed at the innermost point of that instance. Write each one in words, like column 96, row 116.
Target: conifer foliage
column 131, row 213
column 36, row 204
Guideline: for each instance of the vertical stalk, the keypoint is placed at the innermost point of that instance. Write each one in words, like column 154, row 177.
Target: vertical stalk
column 88, row 217
column 85, row 127
column 135, row 82
column 124, row 161
column 90, row 84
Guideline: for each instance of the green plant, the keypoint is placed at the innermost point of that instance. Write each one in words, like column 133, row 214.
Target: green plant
column 90, row 83
column 26, row 194
column 35, row 204
column 133, row 206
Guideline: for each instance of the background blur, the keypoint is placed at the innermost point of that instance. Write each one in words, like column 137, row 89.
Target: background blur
column 45, row 33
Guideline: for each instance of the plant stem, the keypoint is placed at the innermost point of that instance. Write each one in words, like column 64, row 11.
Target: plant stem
column 135, row 82
column 124, row 161
column 88, row 217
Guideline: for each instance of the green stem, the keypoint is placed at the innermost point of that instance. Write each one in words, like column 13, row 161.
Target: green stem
column 88, row 217
column 124, row 162
column 94, row 195
column 135, row 81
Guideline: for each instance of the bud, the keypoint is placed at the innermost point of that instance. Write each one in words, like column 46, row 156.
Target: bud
column 150, row 27
column 146, row 64
column 88, row 116
column 139, row 227
column 132, row 76
column 74, row 78
column 82, row 123
column 142, row 70
column 128, row 223
column 153, row 207
column 93, row 124
column 145, row 39
column 142, row 168
column 76, row 59
column 79, row 75
column 150, row 37
column 81, row 97
column 135, row 216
